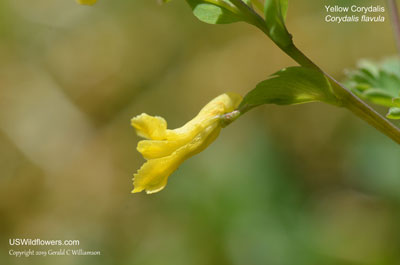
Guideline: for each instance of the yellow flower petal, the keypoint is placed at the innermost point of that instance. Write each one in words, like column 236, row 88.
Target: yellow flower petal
column 86, row 2
column 167, row 149
column 220, row 105
column 151, row 149
column 149, row 127
column 153, row 175
column 159, row 148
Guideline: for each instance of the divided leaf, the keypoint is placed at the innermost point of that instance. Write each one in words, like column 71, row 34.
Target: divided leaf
column 396, row 102
column 293, row 85
column 378, row 83
column 275, row 16
column 394, row 113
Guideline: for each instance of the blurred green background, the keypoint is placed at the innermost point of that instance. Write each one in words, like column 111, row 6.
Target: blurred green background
column 299, row 185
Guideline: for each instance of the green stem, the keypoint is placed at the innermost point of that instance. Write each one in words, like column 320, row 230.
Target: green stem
column 299, row 56
column 365, row 112
column 252, row 16
column 346, row 97
column 351, row 101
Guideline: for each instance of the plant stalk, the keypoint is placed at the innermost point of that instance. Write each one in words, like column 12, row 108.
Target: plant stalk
column 346, row 97
column 349, row 100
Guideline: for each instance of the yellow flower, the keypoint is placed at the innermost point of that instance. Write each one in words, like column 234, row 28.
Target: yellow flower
column 86, row 2
column 166, row 149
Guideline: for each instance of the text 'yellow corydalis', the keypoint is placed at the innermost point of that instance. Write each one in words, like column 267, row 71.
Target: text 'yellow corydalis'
column 166, row 149
column 86, row 2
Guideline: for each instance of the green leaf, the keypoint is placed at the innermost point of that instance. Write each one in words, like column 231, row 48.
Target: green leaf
column 215, row 11
column 275, row 15
column 396, row 102
column 394, row 113
column 378, row 83
column 378, row 96
column 293, row 85
column 392, row 65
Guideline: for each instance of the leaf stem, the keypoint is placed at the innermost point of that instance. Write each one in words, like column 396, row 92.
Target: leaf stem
column 345, row 96
column 394, row 14
column 349, row 100
column 365, row 112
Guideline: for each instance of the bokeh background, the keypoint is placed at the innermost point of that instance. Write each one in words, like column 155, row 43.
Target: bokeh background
column 303, row 185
